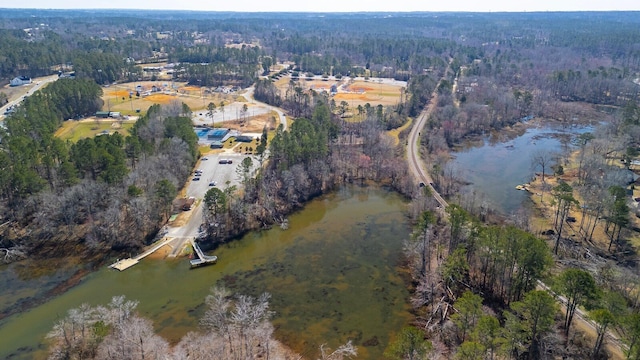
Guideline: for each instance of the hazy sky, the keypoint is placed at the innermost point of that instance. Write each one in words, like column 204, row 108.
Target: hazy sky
column 334, row 5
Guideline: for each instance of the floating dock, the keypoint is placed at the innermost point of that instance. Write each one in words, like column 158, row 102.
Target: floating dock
column 202, row 259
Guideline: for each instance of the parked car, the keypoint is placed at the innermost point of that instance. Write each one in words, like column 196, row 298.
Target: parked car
column 196, row 179
column 213, row 183
column 188, row 203
column 223, row 161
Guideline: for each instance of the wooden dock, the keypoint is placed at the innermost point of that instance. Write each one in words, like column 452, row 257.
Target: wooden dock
column 124, row 264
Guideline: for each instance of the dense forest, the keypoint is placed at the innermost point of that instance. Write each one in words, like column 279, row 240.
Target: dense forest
column 479, row 282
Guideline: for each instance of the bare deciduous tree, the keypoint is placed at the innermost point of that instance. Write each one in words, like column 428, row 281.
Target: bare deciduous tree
column 347, row 351
column 133, row 339
column 542, row 159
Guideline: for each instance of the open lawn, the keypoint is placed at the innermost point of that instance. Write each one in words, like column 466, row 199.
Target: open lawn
column 75, row 130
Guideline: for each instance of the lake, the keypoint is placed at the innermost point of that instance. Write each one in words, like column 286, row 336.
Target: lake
column 333, row 276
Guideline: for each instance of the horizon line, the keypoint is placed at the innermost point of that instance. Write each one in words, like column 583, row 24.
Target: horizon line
column 333, row 12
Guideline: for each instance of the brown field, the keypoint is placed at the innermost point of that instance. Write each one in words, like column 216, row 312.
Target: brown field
column 190, row 88
column 254, row 124
column 161, row 98
column 543, row 199
column 363, row 98
column 14, row 92
column 120, row 93
column 360, row 88
column 322, row 86
column 395, row 133
column 359, row 92
column 116, row 98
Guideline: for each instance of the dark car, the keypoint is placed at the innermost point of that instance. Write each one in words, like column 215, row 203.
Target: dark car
column 196, row 179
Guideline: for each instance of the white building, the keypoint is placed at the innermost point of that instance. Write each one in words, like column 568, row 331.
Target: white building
column 20, row 80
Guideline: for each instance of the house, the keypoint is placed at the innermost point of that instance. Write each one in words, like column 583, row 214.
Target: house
column 20, row 80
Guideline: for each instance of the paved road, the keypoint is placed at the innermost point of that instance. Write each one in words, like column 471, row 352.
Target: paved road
column 212, row 171
column 416, row 165
column 37, row 84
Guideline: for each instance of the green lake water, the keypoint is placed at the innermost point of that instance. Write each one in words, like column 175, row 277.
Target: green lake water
column 333, row 276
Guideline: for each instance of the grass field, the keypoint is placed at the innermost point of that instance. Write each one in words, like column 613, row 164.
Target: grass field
column 76, row 130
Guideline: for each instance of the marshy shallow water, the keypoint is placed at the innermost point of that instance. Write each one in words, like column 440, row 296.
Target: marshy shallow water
column 497, row 165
